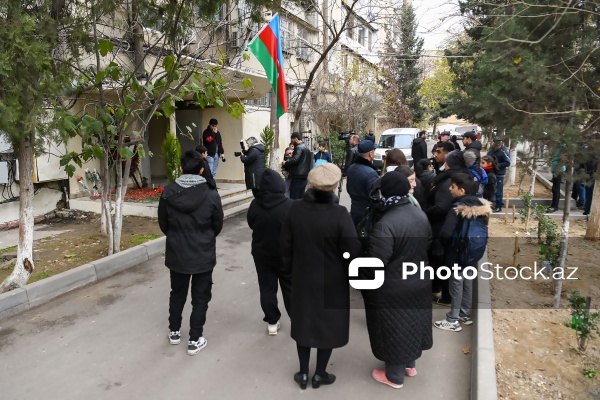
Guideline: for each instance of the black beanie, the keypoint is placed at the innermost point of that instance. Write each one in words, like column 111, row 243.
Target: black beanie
column 455, row 160
column 271, row 182
column 394, row 184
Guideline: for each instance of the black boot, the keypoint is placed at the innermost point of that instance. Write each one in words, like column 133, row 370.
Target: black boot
column 302, row 380
column 318, row 380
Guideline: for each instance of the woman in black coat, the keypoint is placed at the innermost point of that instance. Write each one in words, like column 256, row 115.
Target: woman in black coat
column 254, row 163
column 317, row 232
column 265, row 217
column 399, row 312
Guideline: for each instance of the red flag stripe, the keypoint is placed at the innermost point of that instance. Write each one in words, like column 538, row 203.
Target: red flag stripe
column 270, row 40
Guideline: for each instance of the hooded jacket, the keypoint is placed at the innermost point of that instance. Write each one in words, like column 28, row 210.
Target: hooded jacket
column 502, row 158
column 191, row 216
column 254, row 165
column 419, row 150
column 474, row 147
column 265, row 217
column 213, row 142
column 468, row 207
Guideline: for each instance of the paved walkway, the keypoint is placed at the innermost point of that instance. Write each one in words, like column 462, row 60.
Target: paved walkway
column 109, row 341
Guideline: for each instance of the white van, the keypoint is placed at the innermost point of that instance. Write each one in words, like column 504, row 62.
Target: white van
column 395, row 138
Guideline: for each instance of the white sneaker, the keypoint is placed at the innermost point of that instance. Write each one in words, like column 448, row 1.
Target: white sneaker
column 195, row 347
column 272, row 329
column 174, row 337
column 448, row 326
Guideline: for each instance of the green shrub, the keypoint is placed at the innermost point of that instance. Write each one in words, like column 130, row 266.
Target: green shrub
column 266, row 138
column 171, row 152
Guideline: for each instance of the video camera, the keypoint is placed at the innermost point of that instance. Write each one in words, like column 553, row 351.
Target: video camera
column 346, row 136
column 239, row 153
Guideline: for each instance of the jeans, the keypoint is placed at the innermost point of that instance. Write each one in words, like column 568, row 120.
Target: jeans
column 213, row 163
column 589, row 193
column 578, row 193
column 499, row 191
column 268, row 278
column 556, row 181
column 297, row 187
column 395, row 372
column 201, row 295
column 461, row 292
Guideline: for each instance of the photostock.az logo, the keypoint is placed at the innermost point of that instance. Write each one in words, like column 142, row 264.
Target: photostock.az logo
column 365, row 262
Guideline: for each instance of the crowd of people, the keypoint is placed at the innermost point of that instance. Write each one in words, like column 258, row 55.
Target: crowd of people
column 304, row 242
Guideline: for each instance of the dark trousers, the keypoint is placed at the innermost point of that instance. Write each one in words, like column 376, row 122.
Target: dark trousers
column 201, row 295
column 297, row 187
column 323, row 356
column 589, row 193
column 499, row 191
column 268, row 277
column 556, row 181
column 395, row 372
column 439, row 285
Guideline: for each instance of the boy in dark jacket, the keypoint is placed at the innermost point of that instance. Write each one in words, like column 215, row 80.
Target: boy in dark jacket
column 265, row 217
column 206, row 174
column 191, row 216
column 490, row 166
column 461, row 289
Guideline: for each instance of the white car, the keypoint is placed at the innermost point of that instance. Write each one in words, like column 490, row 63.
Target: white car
column 395, row 138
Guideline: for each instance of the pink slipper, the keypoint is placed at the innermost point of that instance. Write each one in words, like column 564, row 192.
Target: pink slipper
column 410, row 371
column 379, row 376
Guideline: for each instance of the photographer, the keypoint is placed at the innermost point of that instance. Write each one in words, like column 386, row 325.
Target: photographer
column 351, row 151
column 254, row 162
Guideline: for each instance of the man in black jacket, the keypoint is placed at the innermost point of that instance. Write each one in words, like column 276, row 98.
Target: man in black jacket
column 265, row 217
column 299, row 166
column 211, row 138
column 472, row 144
column 351, row 152
column 254, row 163
column 419, row 148
column 191, row 216
column 361, row 177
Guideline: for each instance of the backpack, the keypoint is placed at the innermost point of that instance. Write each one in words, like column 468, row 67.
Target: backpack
column 481, row 177
column 470, row 240
column 365, row 226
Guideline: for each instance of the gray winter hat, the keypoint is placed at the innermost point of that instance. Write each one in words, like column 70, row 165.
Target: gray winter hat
column 470, row 158
column 455, row 159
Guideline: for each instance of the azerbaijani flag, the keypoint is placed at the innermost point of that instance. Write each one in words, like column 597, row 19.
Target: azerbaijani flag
column 266, row 46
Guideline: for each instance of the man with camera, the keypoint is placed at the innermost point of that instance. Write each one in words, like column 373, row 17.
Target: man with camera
column 299, row 166
column 211, row 138
column 254, row 162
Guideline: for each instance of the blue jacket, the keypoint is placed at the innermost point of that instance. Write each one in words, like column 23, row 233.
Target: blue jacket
column 360, row 178
column 503, row 159
column 323, row 155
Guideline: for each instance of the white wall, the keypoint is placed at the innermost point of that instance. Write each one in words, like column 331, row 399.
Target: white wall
column 44, row 201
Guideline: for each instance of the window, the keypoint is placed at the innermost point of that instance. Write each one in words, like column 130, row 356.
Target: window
column 350, row 27
column 370, row 40
column 362, row 36
column 287, row 35
column 345, row 60
column 303, row 51
column 264, row 101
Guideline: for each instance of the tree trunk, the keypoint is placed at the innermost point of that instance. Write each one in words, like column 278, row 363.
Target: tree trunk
column 564, row 236
column 24, row 266
column 533, row 176
column 593, row 225
column 138, row 39
column 512, row 171
column 274, row 122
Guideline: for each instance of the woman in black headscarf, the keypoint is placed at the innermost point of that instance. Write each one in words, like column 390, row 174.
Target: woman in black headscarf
column 399, row 312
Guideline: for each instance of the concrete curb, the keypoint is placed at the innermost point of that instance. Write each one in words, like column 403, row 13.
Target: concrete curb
column 40, row 292
column 483, row 371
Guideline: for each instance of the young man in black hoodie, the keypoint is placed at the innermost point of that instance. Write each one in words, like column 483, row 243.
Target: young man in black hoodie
column 191, row 216
column 466, row 206
column 265, row 217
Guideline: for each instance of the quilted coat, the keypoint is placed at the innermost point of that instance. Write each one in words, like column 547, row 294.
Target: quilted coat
column 316, row 233
column 399, row 312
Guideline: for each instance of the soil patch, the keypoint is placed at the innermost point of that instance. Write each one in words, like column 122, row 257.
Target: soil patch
column 83, row 243
column 536, row 354
column 540, row 191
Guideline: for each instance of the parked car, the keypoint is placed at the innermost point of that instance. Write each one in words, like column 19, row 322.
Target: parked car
column 395, row 138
